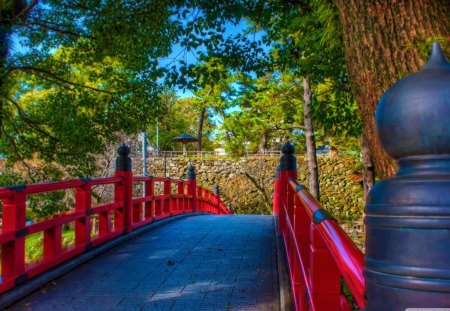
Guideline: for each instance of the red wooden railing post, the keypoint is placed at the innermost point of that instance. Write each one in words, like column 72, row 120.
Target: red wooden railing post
column 209, row 200
column 52, row 242
column 200, row 203
column 217, row 199
column 167, row 205
column 83, row 202
column 287, row 171
column 180, row 199
column 104, row 223
column 149, row 206
column 324, row 274
column 276, row 193
column 14, row 219
column 192, row 188
column 123, row 191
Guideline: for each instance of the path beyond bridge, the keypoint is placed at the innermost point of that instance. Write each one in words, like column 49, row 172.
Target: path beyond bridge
column 205, row 262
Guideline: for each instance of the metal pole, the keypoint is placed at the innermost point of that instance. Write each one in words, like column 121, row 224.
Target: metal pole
column 157, row 136
column 165, row 165
column 144, row 153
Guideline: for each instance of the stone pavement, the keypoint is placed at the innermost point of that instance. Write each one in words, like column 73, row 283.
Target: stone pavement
column 206, row 262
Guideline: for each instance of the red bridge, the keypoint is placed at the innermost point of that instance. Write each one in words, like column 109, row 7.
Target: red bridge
column 146, row 250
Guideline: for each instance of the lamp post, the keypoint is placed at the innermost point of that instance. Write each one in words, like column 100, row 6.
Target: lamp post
column 144, row 153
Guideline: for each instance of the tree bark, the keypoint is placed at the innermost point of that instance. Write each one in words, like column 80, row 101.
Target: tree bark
column 368, row 168
column 384, row 41
column 311, row 156
column 200, row 129
column 10, row 13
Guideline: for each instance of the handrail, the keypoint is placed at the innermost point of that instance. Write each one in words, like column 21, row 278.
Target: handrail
column 206, row 154
column 348, row 257
column 123, row 215
column 319, row 254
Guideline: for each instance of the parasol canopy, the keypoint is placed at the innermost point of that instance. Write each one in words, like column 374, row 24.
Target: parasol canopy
column 184, row 139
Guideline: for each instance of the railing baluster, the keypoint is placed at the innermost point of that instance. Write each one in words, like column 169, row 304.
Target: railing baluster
column 167, row 206
column 149, row 205
column 199, row 199
column 83, row 203
column 104, row 223
column 137, row 212
column 52, row 242
column 180, row 199
column 14, row 219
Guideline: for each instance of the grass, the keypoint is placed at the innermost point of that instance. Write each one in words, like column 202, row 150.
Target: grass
column 34, row 245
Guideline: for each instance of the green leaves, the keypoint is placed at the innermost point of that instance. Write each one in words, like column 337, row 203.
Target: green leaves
column 270, row 114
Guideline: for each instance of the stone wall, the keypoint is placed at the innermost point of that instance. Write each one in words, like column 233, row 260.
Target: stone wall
column 247, row 183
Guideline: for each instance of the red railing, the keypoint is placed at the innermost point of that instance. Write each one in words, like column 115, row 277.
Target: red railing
column 320, row 255
column 124, row 214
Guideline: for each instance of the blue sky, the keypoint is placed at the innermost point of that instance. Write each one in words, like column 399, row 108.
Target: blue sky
column 189, row 57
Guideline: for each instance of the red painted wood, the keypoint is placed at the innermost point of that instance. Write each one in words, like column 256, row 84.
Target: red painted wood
column 52, row 242
column 104, row 223
column 192, row 191
column 129, row 213
column 124, row 192
column 324, row 275
column 83, row 204
column 346, row 254
column 167, row 204
column 13, row 219
column 149, row 206
column 276, row 198
column 318, row 255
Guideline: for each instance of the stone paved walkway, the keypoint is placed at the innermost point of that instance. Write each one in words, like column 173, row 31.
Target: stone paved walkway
column 197, row 263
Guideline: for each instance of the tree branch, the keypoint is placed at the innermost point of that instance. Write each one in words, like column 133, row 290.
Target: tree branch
column 32, row 69
column 290, row 128
column 55, row 29
column 19, row 157
column 30, row 122
column 26, row 10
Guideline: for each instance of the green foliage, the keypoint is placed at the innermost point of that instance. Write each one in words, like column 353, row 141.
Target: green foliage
column 269, row 115
column 178, row 116
column 89, row 71
column 310, row 44
column 68, row 125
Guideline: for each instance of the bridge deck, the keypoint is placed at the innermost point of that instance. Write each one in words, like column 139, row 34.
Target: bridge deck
column 197, row 263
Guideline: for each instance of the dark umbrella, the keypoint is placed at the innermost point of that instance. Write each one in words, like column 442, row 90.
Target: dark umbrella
column 184, row 139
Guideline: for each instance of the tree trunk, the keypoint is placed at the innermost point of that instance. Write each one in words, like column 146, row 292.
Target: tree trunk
column 384, row 41
column 200, row 129
column 311, row 156
column 5, row 30
column 368, row 169
column 17, row 10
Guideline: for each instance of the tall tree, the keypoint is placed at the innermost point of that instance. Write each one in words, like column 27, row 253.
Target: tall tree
column 311, row 156
column 212, row 89
column 384, row 41
column 302, row 49
column 268, row 114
